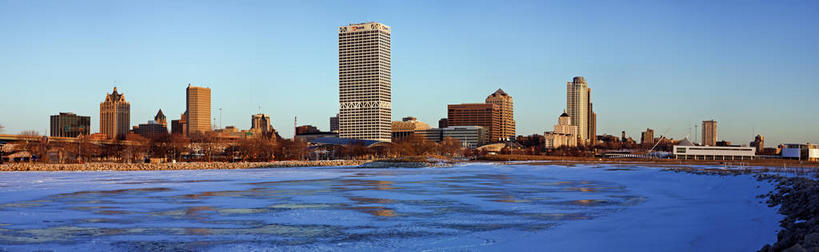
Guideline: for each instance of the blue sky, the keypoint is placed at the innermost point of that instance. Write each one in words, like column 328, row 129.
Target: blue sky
column 751, row 65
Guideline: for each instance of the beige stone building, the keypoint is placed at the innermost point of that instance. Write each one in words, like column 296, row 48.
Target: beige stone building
column 198, row 110
column 709, row 133
column 506, row 113
column 365, row 95
column 115, row 116
column 564, row 134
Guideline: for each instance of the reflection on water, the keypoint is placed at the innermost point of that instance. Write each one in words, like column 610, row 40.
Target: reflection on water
column 358, row 206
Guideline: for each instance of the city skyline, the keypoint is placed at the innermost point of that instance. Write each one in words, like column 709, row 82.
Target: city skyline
column 42, row 55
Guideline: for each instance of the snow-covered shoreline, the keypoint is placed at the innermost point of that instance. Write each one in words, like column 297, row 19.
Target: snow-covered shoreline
column 18, row 167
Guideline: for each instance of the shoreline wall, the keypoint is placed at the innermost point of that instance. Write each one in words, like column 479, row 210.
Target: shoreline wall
column 9, row 167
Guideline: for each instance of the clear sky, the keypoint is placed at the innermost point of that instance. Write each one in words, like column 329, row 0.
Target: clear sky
column 667, row 65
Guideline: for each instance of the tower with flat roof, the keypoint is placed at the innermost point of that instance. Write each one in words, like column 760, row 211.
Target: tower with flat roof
column 364, row 82
column 198, row 109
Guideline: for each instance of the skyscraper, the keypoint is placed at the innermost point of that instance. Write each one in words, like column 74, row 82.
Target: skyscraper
column 364, row 81
column 70, row 125
column 578, row 106
column 261, row 123
column 198, row 109
column 647, row 137
column 709, row 133
column 592, row 128
column 506, row 113
column 486, row 115
column 115, row 115
column 334, row 124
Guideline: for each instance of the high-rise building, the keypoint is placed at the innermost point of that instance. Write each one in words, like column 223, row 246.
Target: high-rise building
column 261, row 123
column 334, row 124
column 364, row 81
column 115, row 115
column 486, row 115
column 647, row 137
column 592, row 128
column 70, row 125
column 160, row 119
column 506, row 113
column 758, row 143
column 197, row 109
column 443, row 123
column 709, row 133
column 578, row 106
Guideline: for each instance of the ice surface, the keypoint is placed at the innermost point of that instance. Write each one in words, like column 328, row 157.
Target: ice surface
column 467, row 207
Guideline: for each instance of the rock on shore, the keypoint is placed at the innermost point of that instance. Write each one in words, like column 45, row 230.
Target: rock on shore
column 798, row 198
column 171, row 166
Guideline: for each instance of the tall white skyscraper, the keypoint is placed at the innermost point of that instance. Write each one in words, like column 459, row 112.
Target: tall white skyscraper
column 578, row 107
column 364, row 82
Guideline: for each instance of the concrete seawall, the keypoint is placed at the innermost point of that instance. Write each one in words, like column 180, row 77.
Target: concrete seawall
column 171, row 166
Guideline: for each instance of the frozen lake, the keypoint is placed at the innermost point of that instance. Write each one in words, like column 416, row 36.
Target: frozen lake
column 467, row 207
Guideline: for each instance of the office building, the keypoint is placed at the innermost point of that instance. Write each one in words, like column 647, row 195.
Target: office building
column 759, row 143
column 486, row 115
column 115, row 116
column 151, row 130
column 564, row 134
column 709, row 133
column 334, row 124
column 197, row 110
column 713, row 152
column 179, row 127
column 592, row 123
column 506, row 113
column 808, row 152
column 443, row 123
column 579, row 108
column 469, row 136
column 406, row 127
column 70, row 125
column 306, row 129
column 365, row 93
column 647, row 138
column 260, row 123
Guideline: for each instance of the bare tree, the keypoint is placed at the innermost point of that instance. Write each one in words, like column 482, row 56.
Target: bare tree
column 137, row 146
column 34, row 144
column 450, row 146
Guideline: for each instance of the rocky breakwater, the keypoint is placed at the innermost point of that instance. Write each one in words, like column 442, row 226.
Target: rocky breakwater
column 798, row 200
column 171, row 166
column 408, row 162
